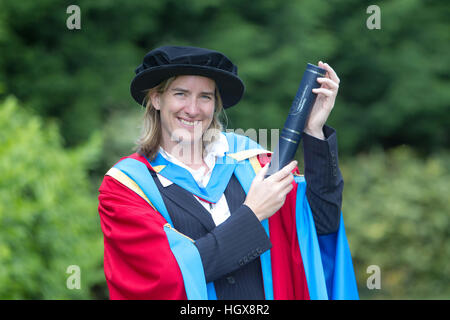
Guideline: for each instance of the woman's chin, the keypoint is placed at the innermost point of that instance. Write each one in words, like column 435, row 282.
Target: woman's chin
column 188, row 139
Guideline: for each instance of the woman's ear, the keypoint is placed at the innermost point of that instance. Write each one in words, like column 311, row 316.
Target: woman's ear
column 155, row 98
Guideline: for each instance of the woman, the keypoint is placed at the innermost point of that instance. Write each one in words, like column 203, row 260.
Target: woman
column 190, row 215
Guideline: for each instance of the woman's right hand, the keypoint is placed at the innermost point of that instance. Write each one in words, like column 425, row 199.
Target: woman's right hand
column 266, row 196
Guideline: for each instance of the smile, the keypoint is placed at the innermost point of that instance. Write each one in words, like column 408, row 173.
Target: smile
column 189, row 123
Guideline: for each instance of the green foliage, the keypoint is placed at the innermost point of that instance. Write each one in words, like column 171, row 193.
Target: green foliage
column 48, row 211
column 396, row 210
column 394, row 87
column 393, row 91
column 394, row 80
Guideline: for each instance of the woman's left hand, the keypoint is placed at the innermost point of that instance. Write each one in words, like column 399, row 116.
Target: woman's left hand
column 326, row 96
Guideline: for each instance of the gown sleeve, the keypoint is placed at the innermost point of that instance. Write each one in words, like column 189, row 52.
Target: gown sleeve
column 324, row 182
column 138, row 262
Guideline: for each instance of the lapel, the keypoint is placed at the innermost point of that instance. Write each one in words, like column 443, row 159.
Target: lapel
column 234, row 195
column 222, row 172
column 187, row 202
column 221, row 182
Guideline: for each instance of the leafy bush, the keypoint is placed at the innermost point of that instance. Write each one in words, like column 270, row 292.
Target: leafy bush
column 396, row 208
column 48, row 211
column 394, row 80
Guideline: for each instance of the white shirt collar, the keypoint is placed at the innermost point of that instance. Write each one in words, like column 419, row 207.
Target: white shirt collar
column 214, row 150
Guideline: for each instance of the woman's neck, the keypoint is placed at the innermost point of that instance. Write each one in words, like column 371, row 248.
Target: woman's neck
column 190, row 154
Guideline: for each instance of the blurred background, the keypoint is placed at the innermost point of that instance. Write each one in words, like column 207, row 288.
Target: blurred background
column 66, row 116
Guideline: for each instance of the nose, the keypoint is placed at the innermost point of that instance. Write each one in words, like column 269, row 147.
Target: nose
column 191, row 108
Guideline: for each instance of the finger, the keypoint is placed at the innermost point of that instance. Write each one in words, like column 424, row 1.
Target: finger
column 328, row 82
column 332, row 73
column 286, row 190
column 283, row 172
column 325, row 92
column 286, row 181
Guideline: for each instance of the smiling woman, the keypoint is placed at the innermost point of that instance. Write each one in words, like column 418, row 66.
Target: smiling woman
column 186, row 110
column 175, row 109
column 191, row 214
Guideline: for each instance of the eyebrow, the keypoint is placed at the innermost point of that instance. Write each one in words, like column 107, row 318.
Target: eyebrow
column 184, row 90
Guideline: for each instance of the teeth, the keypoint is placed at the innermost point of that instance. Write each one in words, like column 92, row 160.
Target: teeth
column 189, row 122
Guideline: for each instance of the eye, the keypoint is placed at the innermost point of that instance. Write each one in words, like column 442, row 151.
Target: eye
column 180, row 94
column 206, row 97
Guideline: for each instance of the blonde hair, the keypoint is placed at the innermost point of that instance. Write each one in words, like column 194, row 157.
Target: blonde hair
column 150, row 140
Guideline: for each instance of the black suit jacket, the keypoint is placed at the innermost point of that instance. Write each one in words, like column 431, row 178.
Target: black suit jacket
column 230, row 252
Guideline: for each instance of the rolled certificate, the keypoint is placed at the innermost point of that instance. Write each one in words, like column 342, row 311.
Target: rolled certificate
column 295, row 123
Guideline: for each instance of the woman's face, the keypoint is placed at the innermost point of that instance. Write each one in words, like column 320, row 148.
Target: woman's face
column 186, row 110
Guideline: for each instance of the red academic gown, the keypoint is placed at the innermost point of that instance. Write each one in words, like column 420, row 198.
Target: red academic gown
column 139, row 264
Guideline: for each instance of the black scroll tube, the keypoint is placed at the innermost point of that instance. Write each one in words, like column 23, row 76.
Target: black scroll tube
column 295, row 123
